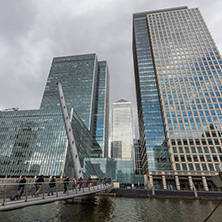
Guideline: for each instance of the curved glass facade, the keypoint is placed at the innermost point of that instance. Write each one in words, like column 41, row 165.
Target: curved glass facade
column 85, row 83
column 34, row 142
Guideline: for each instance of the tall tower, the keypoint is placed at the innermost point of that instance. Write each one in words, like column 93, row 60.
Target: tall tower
column 85, row 83
column 178, row 85
column 122, row 130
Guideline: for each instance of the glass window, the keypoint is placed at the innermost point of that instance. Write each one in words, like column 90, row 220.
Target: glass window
column 204, row 166
column 182, row 158
column 187, row 150
column 184, row 165
column 193, row 150
column 208, row 158
column 211, row 167
column 199, row 148
column 174, row 149
column 195, row 158
column 215, row 158
column 181, row 149
column 212, row 149
column 191, row 166
column 197, row 166
column 202, row 158
column 206, row 150
column 176, row 158
column 189, row 158
column 178, row 166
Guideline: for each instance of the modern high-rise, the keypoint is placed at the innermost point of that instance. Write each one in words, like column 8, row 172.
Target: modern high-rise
column 122, row 133
column 85, row 82
column 137, row 157
column 34, row 142
column 179, row 90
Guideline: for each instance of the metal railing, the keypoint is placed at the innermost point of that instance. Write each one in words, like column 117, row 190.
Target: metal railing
column 59, row 191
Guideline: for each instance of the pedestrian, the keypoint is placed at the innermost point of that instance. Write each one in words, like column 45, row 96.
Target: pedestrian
column 38, row 185
column 21, row 186
column 52, row 184
column 104, row 181
column 65, row 182
column 73, row 184
column 97, row 181
column 79, row 182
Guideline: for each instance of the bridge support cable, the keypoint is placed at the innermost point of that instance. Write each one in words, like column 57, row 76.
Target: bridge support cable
column 71, row 140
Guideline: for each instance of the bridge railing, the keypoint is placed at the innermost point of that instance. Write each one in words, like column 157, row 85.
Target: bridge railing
column 10, row 189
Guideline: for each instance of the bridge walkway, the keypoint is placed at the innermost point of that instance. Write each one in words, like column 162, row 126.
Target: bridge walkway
column 43, row 198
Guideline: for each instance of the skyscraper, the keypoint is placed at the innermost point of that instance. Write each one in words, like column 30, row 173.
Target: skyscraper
column 178, row 85
column 34, row 142
column 122, row 133
column 137, row 157
column 85, row 83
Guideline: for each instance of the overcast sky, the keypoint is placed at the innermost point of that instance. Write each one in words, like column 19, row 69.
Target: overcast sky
column 32, row 32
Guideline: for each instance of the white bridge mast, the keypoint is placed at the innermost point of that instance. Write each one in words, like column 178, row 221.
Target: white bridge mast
column 71, row 140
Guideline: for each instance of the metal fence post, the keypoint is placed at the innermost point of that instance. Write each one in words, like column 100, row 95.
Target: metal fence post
column 4, row 195
column 56, row 189
column 26, row 196
column 43, row 193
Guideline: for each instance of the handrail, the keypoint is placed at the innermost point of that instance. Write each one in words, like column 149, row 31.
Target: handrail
column 27, row 198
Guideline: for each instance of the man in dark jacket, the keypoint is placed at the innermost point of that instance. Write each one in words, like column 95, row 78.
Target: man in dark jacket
column 21, row 186
column 38, row 185
column 52, row 184
column 65, row 182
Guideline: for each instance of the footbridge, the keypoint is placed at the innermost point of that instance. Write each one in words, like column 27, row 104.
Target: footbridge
column 27, row 199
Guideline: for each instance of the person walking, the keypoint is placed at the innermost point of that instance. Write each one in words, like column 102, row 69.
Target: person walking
column 38, row 185
column 21, row 186
column 79, row 182
column 52, row 184
column 65, row 183
column 73, row 184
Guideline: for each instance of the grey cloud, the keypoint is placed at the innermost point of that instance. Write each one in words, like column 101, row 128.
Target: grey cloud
column 33, row 32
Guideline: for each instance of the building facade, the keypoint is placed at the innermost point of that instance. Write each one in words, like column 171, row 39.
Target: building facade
column 137, row 157
column 116, row 149
column 85, row 83
column 178, row 84
column 122, row 132
column 118, row 169
column 34, row 142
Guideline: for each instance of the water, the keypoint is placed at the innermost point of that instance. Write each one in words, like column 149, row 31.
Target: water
column 119, row 209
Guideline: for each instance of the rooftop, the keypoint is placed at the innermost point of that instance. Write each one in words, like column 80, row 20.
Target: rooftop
column 140, row 14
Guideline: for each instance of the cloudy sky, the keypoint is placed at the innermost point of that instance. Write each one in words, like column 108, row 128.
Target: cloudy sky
column 32, row 32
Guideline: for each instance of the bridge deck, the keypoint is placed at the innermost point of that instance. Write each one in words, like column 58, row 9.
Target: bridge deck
column 43, row 198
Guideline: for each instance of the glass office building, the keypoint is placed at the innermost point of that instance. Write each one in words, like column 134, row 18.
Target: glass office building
column 34, row 142
column 117, row 169
column 101, row 117
column 85, row 83
column 122, row 132
column 137, row 157
column 178, row 83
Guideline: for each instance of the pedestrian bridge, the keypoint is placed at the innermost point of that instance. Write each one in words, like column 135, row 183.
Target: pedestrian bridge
column 27, row 199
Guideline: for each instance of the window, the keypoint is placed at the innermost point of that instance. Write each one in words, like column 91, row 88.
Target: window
column 204, row 166
column 197, row 166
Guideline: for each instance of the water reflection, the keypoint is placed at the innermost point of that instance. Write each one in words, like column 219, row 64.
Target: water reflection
column 114, row 209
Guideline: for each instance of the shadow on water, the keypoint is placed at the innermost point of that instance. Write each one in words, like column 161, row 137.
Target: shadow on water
column 110, row 209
